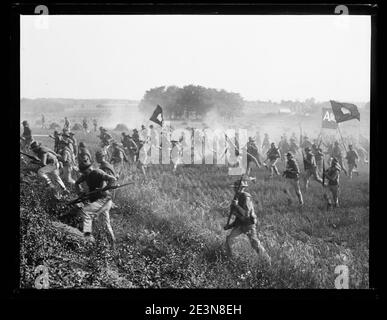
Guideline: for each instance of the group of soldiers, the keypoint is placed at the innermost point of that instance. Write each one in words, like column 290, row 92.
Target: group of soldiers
column 70, row 159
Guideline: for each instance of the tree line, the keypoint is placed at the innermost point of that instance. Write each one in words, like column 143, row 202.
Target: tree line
column 178, row 102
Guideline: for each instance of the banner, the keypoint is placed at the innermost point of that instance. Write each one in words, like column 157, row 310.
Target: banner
column 344, row 111
column 328, row 119
column 157, row 116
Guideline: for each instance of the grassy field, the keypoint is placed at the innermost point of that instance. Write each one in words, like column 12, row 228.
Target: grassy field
column 170, row 234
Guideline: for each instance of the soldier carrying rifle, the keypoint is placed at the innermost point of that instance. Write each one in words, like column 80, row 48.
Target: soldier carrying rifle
column 332, row 174
column 98, row 201
column 245, row 220
column 292, row 174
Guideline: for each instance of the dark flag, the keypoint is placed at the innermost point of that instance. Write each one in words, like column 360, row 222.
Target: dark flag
column 344, row 111
column 157, row 116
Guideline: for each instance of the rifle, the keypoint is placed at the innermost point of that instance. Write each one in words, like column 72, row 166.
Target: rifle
column 323, row 173
column 86, row 196
column 33, row 158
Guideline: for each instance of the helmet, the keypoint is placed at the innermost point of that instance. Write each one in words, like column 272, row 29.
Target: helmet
column 289, row 155
column 81, row 144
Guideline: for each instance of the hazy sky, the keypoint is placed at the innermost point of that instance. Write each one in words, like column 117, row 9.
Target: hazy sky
column 261, row 57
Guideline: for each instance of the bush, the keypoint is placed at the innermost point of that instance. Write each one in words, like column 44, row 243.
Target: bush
column 77, row 127
column 54, row 126
column 121, row 127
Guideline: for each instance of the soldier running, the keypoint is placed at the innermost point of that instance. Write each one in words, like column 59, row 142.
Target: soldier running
column 310, row 167
column 245, row 221
column 273, row 155
column 100, row 203
column 319, row 156
column 130, row 145
column 338, row 155
column 332, row 174
column 292, row 174
column 50, row 168
column 252, row 155
column 118, row 157
column 352, row 158
column 67, row 158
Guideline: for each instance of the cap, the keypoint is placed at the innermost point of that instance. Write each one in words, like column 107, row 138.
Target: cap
column 289, row 154
column 307, row 149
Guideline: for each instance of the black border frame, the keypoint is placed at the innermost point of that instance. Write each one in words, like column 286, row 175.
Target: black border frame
column 146, row 297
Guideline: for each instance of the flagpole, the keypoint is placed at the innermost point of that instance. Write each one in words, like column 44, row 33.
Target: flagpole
column 342, row 140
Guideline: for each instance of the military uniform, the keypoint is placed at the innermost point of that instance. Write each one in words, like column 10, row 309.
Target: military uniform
column 50, row 167
column 333, row 175
column 66, row 124
column 310, row 167
column 245, row 223
column 99, row 204
column 26, row 138
column 252, row 155
column 68, row 163
column 337, row 154
column 117, row 159
column 352, row 158
column 131, row 146
column 265, row 143
column 272, row 156
column 319, row 156
column 292, row 175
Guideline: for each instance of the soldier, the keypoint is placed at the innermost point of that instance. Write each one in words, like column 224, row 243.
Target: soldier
column 273, row 155
column 131, row 146
column 57, row 138
column 265, row 143
column 352, row 158
column 100, row 203
column 83, row 152
column 310, row 167
column 74, row 143
column 26, row 137
column 252, row 155
column 293, row 147
column 66, row 124
column 105, row 166
column 118, row 157
column 50, row 168
column 338, row 155
column 95, row 124
column 319, row 156
column 292, row 174
column 332, row 174
column 67, row 158
column 245, row 220
column 305, row 143
column 85, row 125
column 136, row 137
column 105, row 138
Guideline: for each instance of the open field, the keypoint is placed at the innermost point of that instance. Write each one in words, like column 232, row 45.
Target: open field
column 170, row 234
